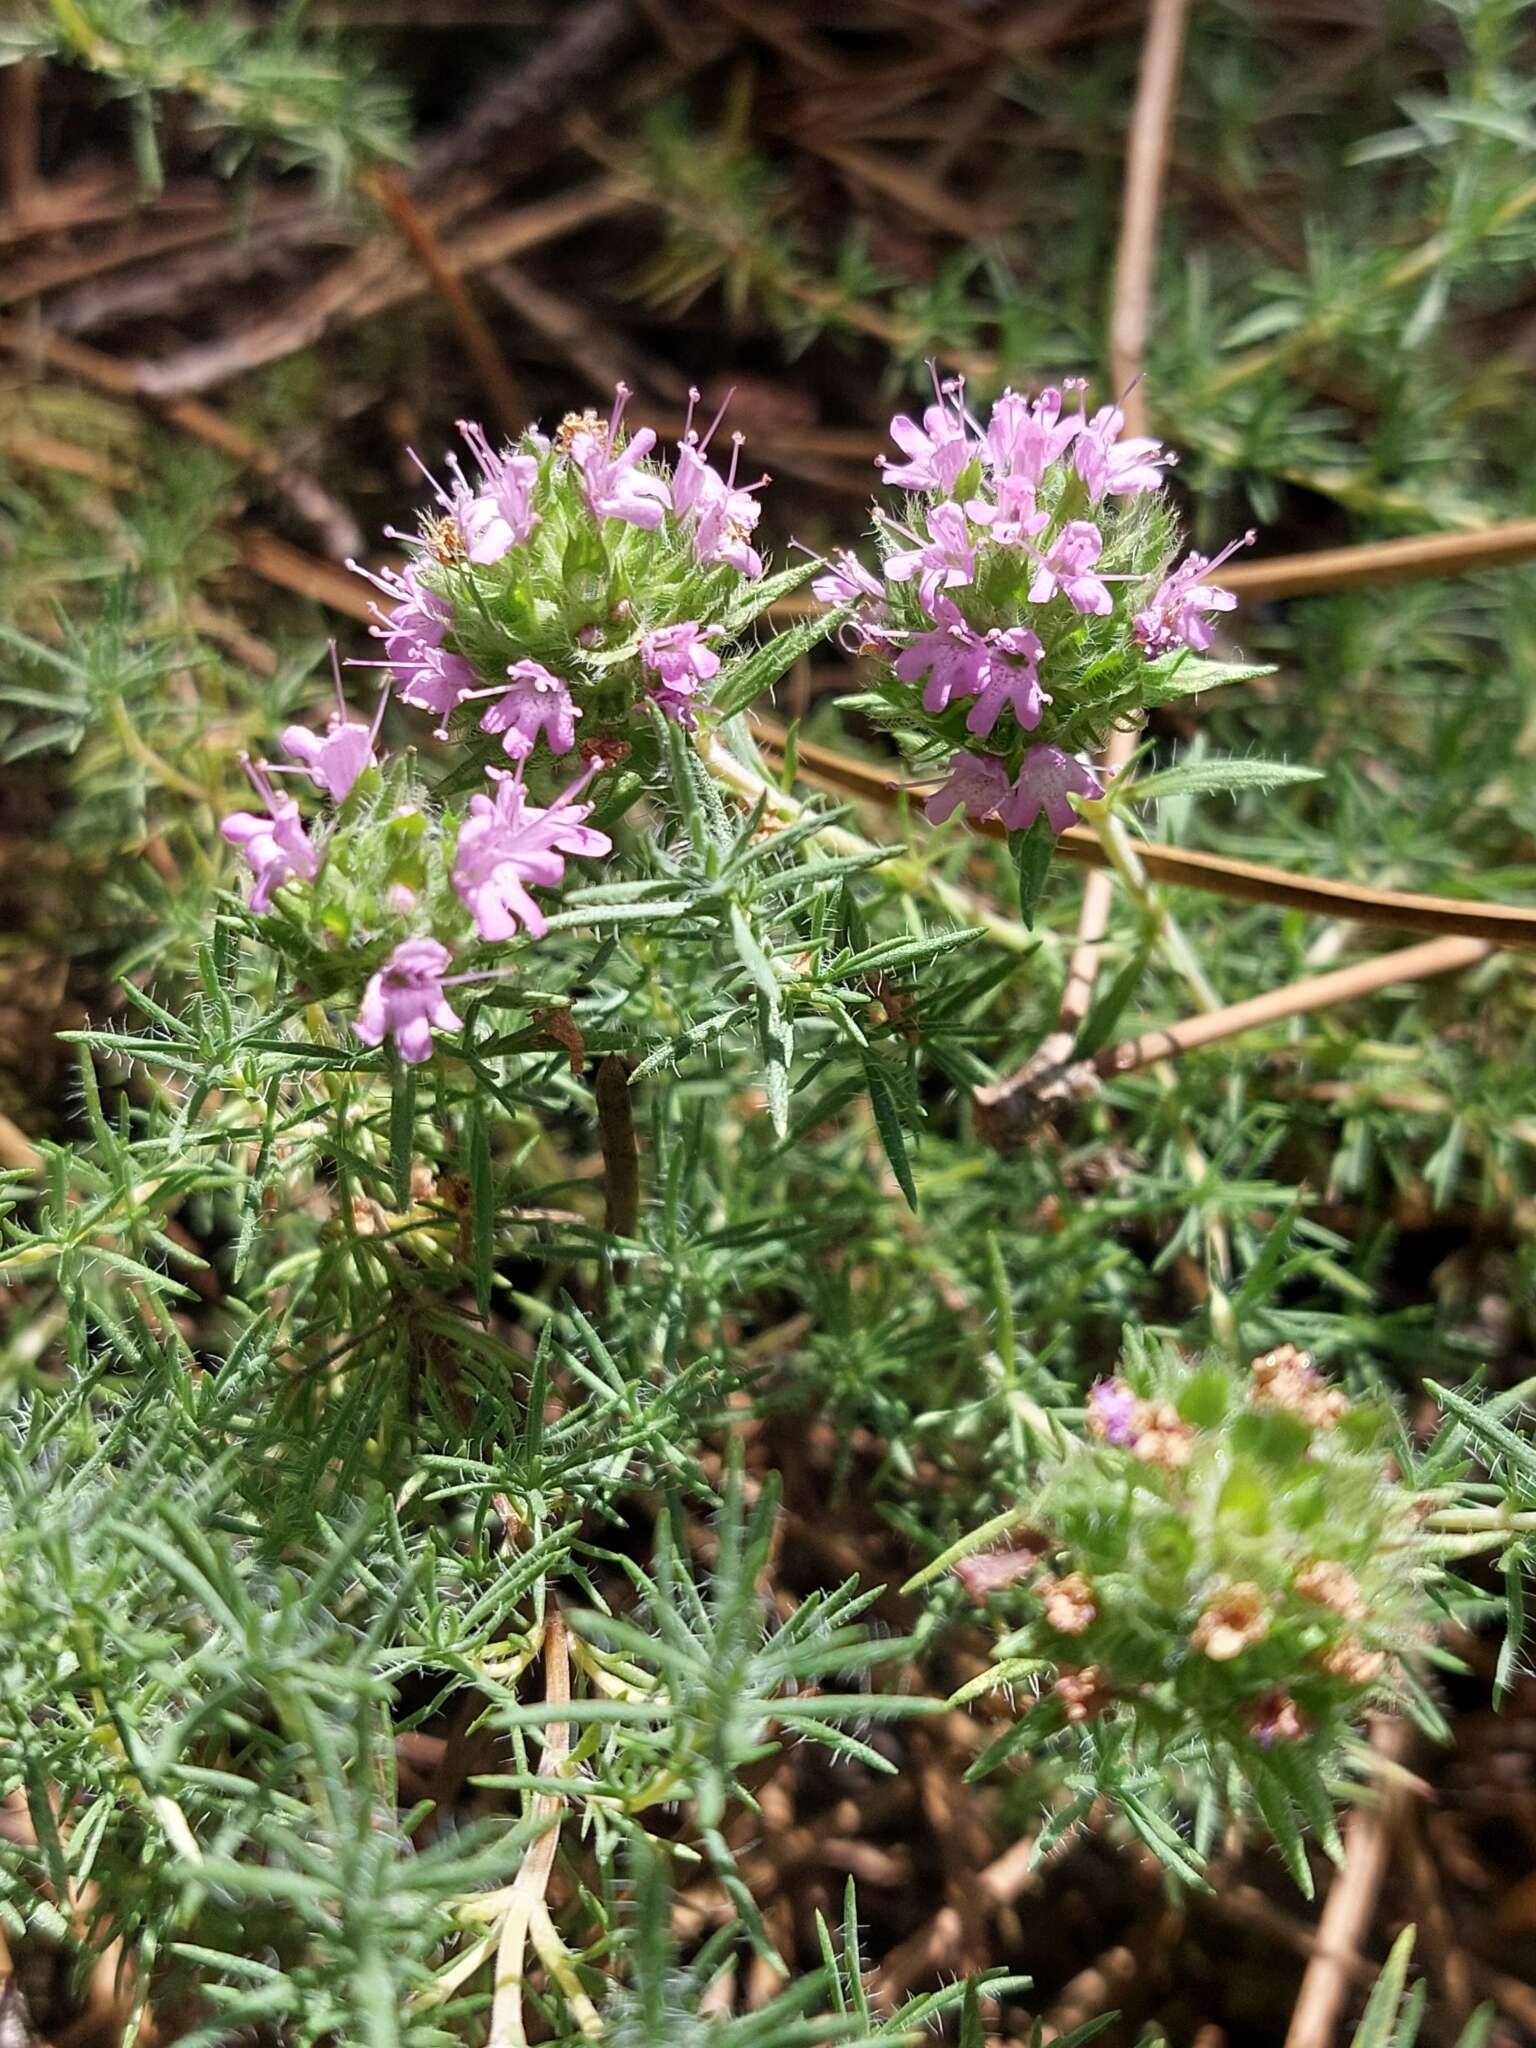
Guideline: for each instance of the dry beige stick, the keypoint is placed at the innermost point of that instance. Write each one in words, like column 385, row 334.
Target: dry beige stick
column 1421, row 555
column 532, row 1880
column 471, row 325
column 1317, row 992
column 1352, row 1899
column 1146, row 164
column 1245, row 880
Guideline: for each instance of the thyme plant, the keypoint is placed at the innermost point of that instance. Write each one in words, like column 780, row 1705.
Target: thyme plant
column 520, row 1164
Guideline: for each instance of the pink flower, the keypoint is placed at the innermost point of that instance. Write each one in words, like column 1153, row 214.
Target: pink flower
column 507, row 842
column 978, row 783
column 419, row 618
column 1046, row 782
column 1024, row 437
column 681, row 659
column 1106, row 463
column 944, row 561
column 436, row 681
column 724, row 532
column 1011, row 677
column 1175, row 615
column 845, row 581
column 537, row 702
column 334, row 758
column 1112, row 1411
column 499, row 516
column 615, row 488
column 1014, row 518
column 1068, row 567
column 275, row 845
column 405, row 1000
column 940, row 450
column 952, row 657
column 724, row 513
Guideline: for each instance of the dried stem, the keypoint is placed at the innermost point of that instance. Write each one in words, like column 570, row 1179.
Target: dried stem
column 1216, row 874
column 1317, row 992
column 621, row 1153
column 525, row 1897
column 473, row 329
column 1352, row 1901
column 1146, row 165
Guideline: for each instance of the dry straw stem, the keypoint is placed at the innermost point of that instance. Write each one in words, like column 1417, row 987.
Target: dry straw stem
column 1247, row 881
column 1146, row 165
column 474, row 332
column 525, row 1897
column 1317, row 992
column 1352, row 1899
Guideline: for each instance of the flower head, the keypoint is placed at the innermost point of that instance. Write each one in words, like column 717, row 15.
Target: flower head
column 724, row 513
column 1112, row 1412
column 1286, row 1378
column 1231, row 1623
column 680, row 659
column 1070, row 1606
column 1015, row 517
column 405, row 1000
column 536, row 702
column 507, row 842
column 1025, row 436
column 499, row 515
column 940, row 450
column 952, row 656
column 1047, row 781
column 334, row 758
column 1275, row 1718
column 845, row 581
column 1010, row 677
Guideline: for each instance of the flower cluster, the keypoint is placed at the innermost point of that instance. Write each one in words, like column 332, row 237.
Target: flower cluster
column 1027, row 601
column 1229, row 1552
column 557, row 593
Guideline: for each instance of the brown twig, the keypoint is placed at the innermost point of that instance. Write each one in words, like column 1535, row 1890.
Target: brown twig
column 621, row 1153
column 373, row 281
column 1317, row 992
column 1421, row 555
column 1216, row 874
column 470, row 324
column 336, row 527
column 1352, row 1899
column 1146, row 164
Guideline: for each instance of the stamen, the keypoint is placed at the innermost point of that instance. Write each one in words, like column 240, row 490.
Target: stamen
column 719, row 416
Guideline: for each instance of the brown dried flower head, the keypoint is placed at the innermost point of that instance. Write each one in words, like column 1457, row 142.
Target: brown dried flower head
column 1331, row 1585
column 575, row 423
column 1275, row 1718
column 1286, row 1378
column 1350, row 1660
column 1069, row 1603
column 1083, row 1694
column 1233, row 1621
column 1162, row 1437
